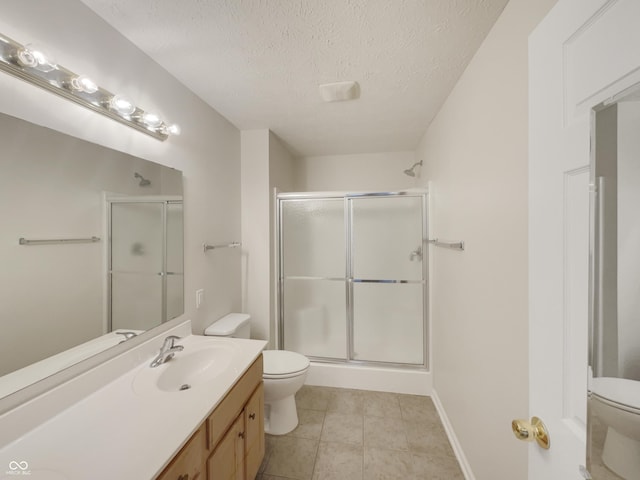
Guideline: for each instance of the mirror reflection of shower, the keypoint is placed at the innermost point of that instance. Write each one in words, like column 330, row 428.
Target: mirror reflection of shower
column 143, row 181
column 145, row 261
column 411, row 171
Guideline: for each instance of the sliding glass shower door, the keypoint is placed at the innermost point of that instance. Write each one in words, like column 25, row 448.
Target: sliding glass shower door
column 352, row 277
column 313, row 277
column 386, row 276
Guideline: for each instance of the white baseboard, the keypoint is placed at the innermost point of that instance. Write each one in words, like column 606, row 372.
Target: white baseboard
column 457, row 448
column 413, row 382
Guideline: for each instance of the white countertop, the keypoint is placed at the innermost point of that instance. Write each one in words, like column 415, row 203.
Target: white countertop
column 119, row 432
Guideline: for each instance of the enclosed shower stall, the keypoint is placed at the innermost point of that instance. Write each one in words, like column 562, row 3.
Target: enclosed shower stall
column 352, row 270
column 145, row 261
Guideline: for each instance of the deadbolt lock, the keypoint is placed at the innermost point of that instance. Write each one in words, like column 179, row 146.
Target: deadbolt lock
column 529, row 431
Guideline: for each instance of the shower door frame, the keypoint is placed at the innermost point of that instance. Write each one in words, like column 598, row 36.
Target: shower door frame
column 349, row 281
column 159, row 199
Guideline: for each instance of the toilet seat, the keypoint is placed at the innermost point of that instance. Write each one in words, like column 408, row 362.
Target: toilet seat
column 618, row 392
column 283, row 364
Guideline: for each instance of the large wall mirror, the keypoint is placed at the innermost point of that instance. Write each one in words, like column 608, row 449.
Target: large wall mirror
column 614, row 392
column 90, row 249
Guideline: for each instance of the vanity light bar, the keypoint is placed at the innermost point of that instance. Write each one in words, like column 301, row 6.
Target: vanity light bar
column 35, row 66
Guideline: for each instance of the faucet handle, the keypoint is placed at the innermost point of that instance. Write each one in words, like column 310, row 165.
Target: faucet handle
column 127, row 335
column 169, row 342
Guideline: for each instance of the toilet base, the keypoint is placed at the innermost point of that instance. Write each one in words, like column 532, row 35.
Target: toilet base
column 621, row 454
column 281, row 416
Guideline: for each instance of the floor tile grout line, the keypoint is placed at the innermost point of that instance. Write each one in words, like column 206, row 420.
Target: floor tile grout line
column 363, row 448
column 315, row 460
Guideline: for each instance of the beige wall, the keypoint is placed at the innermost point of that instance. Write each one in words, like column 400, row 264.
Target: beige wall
column 476, row 161
column 255, row 230
column 282, row 169
column 266, row 165
column 207, row 152
column 356, row 172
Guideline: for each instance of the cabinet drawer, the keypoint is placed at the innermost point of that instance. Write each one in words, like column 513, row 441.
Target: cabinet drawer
column 232, row 404
column 189, row 463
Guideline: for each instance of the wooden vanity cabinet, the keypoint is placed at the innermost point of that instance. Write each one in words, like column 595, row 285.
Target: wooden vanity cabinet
column 229, row 445
column 236, row 430
column 254, row 425
column 238, row 455
column 189, row 464
column 227, row 460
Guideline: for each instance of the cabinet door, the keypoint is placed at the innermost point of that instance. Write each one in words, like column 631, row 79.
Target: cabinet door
column 231, row 406
column 189, row 463
column 227, row 460
column 254, row 422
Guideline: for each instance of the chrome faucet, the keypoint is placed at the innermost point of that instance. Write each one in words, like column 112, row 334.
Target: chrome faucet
column 167, row 351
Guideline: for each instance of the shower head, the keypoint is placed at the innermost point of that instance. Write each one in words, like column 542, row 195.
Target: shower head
column 411, row 171
column 143, row 181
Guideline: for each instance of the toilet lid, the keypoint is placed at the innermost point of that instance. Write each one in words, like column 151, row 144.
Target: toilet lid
column 618, row 390
column 283, row 362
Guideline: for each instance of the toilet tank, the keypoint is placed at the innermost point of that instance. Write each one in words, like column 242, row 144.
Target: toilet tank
column 234, row 325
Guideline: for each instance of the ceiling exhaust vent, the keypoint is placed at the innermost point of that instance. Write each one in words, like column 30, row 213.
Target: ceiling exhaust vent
column 339, row 91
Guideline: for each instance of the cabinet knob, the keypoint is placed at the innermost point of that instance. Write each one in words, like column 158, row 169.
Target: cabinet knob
column 240, row 434
column 252, row 416
column 184, row 477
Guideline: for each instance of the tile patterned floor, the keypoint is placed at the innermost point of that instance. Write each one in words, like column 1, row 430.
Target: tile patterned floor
column 361, row 435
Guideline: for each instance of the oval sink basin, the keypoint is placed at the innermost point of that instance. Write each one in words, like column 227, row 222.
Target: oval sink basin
column 191, row 368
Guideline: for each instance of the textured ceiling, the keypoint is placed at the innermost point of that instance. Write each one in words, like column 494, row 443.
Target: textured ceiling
column 259, row 62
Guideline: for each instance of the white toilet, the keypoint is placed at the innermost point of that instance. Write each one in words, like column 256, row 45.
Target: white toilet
column 616, row 402
column 284, row 373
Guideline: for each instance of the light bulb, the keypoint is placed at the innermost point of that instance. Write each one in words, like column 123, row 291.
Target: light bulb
column 174, row 129
column 45, row 61
column 82, row 83
column 151, row 120
column 122, row 105
column 26, row 58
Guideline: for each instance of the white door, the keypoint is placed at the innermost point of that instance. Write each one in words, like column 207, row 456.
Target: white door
column 584, row 52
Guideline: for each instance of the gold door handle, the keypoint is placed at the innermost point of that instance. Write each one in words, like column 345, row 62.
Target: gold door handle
column 530, row 431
